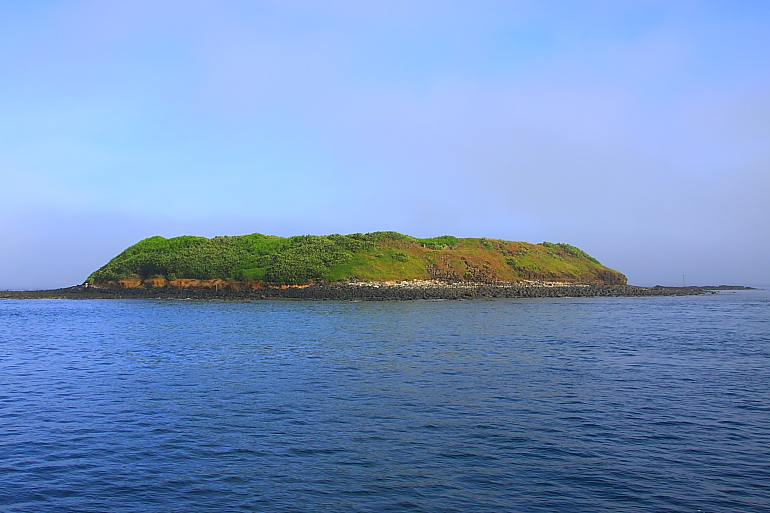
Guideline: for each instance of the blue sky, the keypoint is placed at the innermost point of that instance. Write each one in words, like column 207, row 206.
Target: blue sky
column 638, row 131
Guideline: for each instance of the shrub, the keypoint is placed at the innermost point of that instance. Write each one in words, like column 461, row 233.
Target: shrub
column 400, row 257
column 570, row 250
column 441, row 242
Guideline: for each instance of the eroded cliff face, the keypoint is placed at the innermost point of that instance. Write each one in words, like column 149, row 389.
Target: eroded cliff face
column 610, row 277
column 185, row 283
column 446, row 275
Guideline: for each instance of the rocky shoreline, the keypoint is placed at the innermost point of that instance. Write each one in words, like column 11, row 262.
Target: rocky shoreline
column 367, row 291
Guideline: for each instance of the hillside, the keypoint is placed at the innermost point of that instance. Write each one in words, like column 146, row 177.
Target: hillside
column 378, row 256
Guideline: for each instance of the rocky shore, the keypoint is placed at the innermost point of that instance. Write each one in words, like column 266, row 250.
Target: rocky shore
column 364, row 291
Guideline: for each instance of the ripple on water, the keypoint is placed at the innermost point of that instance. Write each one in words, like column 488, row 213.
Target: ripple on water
column 600, row 404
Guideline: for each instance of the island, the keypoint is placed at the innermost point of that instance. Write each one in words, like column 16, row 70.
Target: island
column 256, row 261
column 358, row 266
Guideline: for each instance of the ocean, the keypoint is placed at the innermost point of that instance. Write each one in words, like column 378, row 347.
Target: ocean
column 648, row 404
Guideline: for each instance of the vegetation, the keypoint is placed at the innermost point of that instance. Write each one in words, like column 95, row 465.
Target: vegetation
column 570, row 250
column 378, row 256
column 443, row 242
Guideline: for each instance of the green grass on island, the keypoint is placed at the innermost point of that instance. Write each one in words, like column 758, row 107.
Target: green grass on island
column 378, row 256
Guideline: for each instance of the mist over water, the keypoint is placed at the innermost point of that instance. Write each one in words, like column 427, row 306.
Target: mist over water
column 596, row 404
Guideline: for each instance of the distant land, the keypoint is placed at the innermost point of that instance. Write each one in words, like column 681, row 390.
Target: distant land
column 259, row 260
column 371, row 266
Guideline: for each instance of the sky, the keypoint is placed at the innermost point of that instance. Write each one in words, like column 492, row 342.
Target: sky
column 638, row 131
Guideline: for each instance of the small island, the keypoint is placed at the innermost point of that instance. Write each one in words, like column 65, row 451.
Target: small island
column 258, row 261
column 371, row 266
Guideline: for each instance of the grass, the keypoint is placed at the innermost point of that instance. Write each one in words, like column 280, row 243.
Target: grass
column 377, row 256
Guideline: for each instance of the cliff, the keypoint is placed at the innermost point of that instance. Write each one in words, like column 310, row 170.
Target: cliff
column 256, row 260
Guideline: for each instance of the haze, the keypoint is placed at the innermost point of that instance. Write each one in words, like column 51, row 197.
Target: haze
column 637, row 131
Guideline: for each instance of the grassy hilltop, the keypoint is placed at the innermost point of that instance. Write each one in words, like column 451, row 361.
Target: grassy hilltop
column 378, row 256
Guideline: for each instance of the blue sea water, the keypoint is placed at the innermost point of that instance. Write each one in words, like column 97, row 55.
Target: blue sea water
column 596, row 405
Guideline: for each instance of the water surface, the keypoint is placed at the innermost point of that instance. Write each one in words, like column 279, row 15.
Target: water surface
column 598, row 404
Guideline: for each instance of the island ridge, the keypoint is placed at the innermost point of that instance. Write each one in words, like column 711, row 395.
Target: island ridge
column 256, row 261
